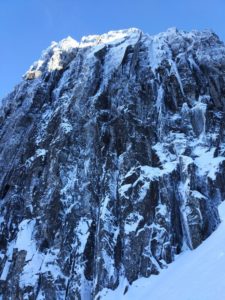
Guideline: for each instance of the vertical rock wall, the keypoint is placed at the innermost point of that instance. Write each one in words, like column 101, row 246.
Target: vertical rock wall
column 112, row 161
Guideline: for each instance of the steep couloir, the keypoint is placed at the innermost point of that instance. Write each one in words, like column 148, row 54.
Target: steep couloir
column 112, row 159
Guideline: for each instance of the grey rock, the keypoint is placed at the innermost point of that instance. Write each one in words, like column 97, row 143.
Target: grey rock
column 112, row 159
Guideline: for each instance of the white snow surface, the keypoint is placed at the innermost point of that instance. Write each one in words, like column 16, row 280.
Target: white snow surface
column 195, row 275
column 53, row 54
column 207, row 163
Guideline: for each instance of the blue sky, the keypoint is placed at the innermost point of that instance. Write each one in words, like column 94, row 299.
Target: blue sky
column 28, row 26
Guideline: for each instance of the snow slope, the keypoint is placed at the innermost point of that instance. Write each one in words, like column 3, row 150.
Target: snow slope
column 195, row 275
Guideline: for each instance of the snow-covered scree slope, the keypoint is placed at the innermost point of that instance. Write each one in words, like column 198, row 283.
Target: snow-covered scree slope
column 195, row 275
column 112, row 157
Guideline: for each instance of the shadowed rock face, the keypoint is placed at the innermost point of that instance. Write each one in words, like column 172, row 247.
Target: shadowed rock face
column 112, row 159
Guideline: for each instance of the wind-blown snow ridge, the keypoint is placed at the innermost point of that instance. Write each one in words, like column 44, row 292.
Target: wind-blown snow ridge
column 68, row 45
column 156, row 55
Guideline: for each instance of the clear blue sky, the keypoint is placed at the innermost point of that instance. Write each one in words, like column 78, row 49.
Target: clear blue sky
column 28, row 26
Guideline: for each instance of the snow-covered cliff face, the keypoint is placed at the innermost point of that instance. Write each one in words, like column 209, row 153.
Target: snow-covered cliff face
column 112, row 159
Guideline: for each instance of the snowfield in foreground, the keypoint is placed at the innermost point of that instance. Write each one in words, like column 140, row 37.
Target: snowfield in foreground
column 195, row 275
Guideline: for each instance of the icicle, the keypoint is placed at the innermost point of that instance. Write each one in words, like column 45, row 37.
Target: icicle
column 198, row 119
column 159, row 104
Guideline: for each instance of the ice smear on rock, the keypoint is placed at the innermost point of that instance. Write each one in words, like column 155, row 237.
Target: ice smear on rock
column 179, row 280
column 112, row 163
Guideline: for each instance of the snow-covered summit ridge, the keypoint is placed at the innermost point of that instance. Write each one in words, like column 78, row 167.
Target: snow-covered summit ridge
column 113, row 36
column 59, row 54
column 54, row 57
column 92, row 40
column 110, row 37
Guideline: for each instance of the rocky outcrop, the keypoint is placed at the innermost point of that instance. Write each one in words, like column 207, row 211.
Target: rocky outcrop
column 112, row 160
